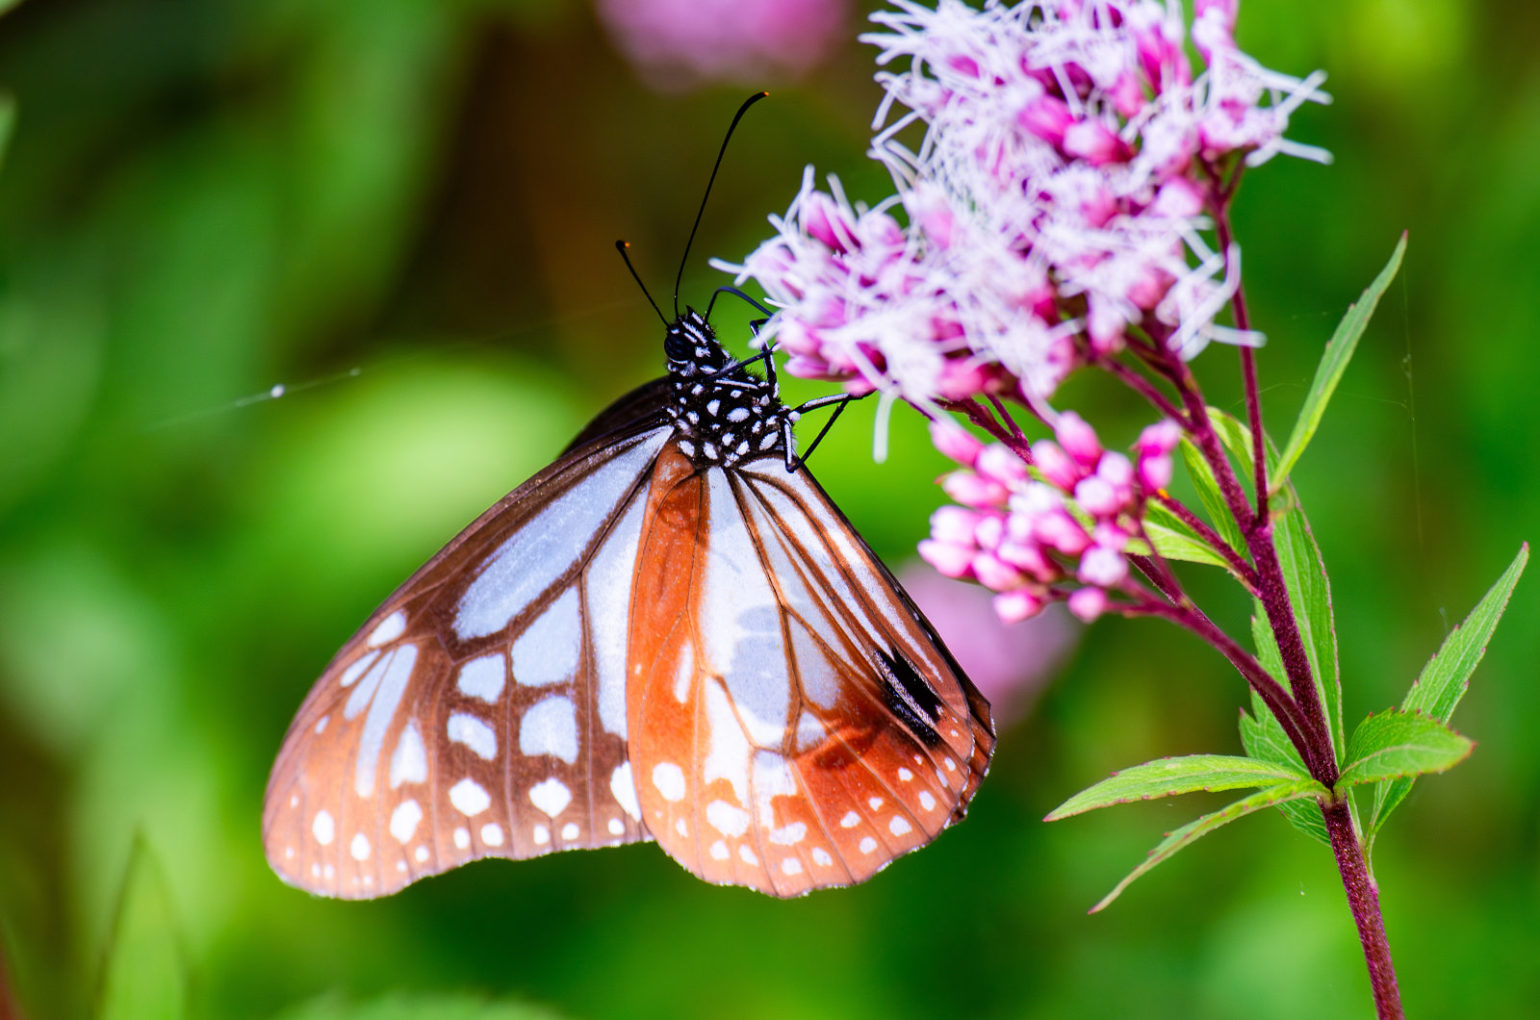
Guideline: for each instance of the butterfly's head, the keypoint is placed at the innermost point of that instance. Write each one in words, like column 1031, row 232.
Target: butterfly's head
column 691, row 346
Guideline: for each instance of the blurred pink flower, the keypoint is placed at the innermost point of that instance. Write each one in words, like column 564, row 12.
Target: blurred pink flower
column 1010, row 664
column 679, row 43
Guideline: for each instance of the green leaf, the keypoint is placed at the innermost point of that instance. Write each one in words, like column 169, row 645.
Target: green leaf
column 1174, row 540
column 1272, row 796
column 1334, row 362
column 1166, row 777
column 145, row 972
column 1394, row 745
column 1208, row 491
column 1446, row 677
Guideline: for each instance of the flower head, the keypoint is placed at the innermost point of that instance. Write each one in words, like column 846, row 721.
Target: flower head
column 1055, row 202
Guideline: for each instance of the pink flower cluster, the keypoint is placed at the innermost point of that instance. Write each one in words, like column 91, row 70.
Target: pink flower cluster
column 1029, row 534
column 1055, row 203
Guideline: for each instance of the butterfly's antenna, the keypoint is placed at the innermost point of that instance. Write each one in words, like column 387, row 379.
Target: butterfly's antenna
column 621, row 247
column 756, row 97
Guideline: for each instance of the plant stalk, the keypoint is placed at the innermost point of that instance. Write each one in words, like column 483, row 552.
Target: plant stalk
column 1364, row 900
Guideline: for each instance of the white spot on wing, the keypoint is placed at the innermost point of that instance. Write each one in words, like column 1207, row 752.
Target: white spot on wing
column 551, row 796
column 623, row 787
column 789, row 835
column 609, row 613
column 718, row 851
column 359, row 848
column 900, row 826
column 390, row 628
column 323, row 828
column 462, row 837
column 617, row 827
column 469, row 798
column 821, row 857
column 354, row 671
column 403, row 820
column 727, row 754
column 541, row 835
column 868, row 844
column 669, row 780
column 547, row 652
column 791, row 866
column 529, row 562
column 409, row 761
column 726, row 818
column 483, row 678
column 492, row 834
column 570, row 831
column 927, row 801
column 421, row 853
column 467, row 729
column 772, row 778
column 550, row 727
column 850, row 821
column 396, row 670
column 747, row 853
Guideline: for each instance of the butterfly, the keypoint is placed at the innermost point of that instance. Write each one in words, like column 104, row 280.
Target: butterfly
column 670, row 633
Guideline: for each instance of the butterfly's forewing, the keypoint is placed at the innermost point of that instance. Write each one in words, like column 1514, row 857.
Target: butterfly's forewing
column 481, row 712
column 794, row 723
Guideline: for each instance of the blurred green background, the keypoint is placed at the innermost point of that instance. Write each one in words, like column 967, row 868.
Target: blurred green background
column 402, row 210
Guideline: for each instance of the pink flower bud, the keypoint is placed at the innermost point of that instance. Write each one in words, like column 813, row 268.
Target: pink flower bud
column 1015, row 606
column 1115, row 469
column 969, row 489
column 1029, row 559
column 1103, row 567
column 1087, row 603
column 822, row 219
column 1057, row 467
column 989, row 530
column 1127, row 94
column 953, row 524
column 1161, row 437
column 1154, row 472
column 1047, row 118
column 995, row 573
column 948, row 559
column 1093, row 142
column 1078, row 439
column 1061, row 532
column 999, row 462
column 1110, row 536
column 955, row 442
column 1097, row 497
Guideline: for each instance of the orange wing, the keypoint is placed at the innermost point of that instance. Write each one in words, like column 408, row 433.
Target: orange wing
column 481, row 711
column 794, row 721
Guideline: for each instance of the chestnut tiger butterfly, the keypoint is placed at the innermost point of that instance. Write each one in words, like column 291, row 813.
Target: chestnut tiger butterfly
column 668, row 634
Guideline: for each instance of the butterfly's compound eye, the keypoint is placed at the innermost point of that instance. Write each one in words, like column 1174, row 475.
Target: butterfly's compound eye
column 676, row 346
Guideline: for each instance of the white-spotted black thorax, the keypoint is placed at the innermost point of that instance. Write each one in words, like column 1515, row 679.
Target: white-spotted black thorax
column 723, row 412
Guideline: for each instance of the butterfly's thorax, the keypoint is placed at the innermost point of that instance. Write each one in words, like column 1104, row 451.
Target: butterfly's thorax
column 722, row 413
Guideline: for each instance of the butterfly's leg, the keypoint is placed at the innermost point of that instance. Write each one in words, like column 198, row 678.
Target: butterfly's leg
column 793, row 461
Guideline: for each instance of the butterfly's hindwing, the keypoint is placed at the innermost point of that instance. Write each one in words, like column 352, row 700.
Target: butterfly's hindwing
column 481, row 710
column 783, row 735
